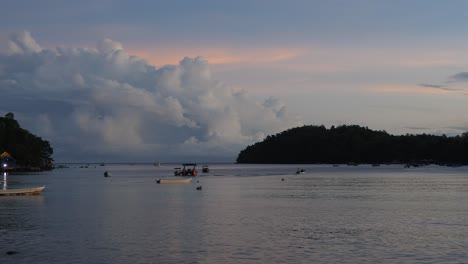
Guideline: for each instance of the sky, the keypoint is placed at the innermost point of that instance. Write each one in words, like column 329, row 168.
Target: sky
column 198, row 81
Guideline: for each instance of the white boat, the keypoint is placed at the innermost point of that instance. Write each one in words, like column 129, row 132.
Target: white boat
column 174, row 180
column 24, row 191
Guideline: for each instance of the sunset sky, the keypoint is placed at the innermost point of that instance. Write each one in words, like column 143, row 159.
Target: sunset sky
column 201, row 80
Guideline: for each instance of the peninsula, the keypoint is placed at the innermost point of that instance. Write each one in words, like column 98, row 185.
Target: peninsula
column 352, row 144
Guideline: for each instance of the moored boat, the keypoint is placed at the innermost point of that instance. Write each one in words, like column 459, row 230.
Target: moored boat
column 174, row 180
column 23, row 191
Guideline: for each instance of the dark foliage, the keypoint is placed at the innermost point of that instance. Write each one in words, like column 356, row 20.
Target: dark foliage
column 355, row 144
column 28, row 149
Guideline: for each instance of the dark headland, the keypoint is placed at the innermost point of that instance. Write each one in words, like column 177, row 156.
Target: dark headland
column 352, row 144
column 31, row 152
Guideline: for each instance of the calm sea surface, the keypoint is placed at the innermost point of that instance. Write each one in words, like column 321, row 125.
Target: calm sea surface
column 244, row 214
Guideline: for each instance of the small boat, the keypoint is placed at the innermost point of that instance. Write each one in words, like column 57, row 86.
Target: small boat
column 24, row 191
column 300, row 171
column 174, row 180
column 157, row 164
column 185, row 171
column 205, row 169
column 8, row 163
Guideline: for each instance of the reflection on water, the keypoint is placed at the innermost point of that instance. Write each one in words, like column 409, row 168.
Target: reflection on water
column 13, row 208
column 244, row 214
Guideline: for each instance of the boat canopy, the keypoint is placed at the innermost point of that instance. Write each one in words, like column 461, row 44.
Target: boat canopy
column 186, row 172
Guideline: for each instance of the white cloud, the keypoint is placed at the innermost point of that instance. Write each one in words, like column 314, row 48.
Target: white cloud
column 23, row 42
column 98, row 103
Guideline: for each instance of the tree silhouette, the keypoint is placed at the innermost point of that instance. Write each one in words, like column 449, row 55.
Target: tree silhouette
column 355, row 144
column 28, row 149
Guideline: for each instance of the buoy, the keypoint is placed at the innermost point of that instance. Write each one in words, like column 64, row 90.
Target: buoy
column 282, row 179
column 199, row 188
column 106, row 174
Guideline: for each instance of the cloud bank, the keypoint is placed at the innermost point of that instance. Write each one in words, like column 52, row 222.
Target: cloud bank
column 103, row 104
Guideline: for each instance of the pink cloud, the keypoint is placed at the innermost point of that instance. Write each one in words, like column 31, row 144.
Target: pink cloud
column 215, row 56
column 406, row 89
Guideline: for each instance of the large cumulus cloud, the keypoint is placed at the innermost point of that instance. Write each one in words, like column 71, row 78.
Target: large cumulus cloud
column 101, row 103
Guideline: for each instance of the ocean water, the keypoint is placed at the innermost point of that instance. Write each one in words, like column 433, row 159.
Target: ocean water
column 243, row 214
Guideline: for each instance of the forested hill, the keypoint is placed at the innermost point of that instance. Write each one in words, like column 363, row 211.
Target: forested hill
column 355, row 144
column 28, row 149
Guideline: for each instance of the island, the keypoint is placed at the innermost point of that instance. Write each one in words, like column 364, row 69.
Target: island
column 29, row 151
column 353, row 144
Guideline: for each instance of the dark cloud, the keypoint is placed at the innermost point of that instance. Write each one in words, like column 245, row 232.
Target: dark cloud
column 439, row 87
column 418, row 128
column 431, row 85
column 101, row 103
column 460, row 77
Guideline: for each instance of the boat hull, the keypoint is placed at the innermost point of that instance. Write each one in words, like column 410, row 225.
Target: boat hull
column 24, row 191
column 171, row 180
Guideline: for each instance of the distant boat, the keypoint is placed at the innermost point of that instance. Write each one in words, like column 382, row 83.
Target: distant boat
column 205, row 169
column 24, row 191
column 300, row 171
column 174, row 180
column 185, row 171
column 157, row 164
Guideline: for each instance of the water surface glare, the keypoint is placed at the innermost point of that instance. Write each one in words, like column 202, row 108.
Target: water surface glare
column 243, row 214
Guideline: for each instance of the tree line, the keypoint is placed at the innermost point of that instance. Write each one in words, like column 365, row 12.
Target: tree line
column 28, row 150
column 355, row 144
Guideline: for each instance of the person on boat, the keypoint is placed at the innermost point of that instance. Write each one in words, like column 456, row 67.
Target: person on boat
column 299, row 171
